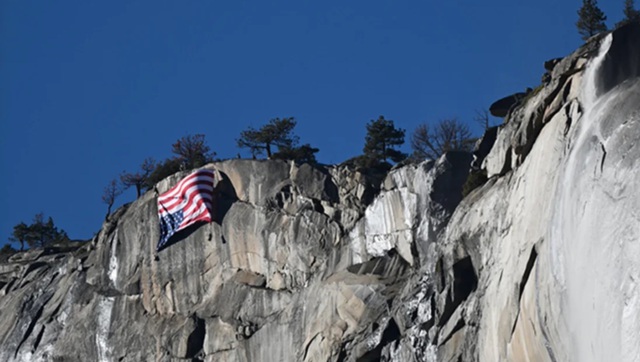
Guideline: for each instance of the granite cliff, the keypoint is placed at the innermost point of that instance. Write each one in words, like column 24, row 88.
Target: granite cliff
column 540, row 263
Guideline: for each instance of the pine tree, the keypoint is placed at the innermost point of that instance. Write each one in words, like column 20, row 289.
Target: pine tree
column 20, row 234
column 41, row 233
column 277, row 133
column 590, row 19
column 630, row 13
column 37, row 236
column 381, row 140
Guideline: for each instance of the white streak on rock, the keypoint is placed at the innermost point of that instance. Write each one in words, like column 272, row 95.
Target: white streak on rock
column 105, row 309
column 113, row 262
column 389, row 222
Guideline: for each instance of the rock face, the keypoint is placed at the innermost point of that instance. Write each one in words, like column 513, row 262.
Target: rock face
column 294, row 268
column 541, row 263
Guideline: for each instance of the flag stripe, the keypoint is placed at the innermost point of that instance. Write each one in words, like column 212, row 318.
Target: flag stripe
column 200, row 189
column 184, row 204
column 184, row 188
column 186, row 194
column 178, row 189
column 194, row 206
column 187, row 205
column 188, row 202
column 196, row 216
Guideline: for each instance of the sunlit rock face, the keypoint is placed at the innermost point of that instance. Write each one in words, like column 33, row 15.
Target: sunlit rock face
column 595, row 227
column 299, row 264
column 541, row 263
column 554, row 236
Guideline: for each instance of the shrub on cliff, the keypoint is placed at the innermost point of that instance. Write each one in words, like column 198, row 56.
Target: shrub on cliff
column 190, row 152
column 6, row 252
column 367, row 165
column 302, row 154
column 474, row 180
column 163, row 170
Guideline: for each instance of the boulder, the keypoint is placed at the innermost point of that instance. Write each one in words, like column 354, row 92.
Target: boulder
column 501, row 107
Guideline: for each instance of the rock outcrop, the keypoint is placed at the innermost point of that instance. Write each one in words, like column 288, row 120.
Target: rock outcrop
column 502, row 106
column 541, row 263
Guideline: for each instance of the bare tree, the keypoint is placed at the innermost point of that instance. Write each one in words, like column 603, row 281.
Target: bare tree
column 193, row 151
column 446, row 135
column 482, row 118
column 139, row 178
column 111, row 192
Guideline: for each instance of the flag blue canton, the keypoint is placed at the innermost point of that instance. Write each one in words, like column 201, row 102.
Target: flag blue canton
column 169, row 225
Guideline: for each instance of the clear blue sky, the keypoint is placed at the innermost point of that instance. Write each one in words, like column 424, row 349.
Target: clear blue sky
column 91, row 88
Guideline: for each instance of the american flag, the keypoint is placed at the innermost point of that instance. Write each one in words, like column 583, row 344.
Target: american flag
column 186, row 203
